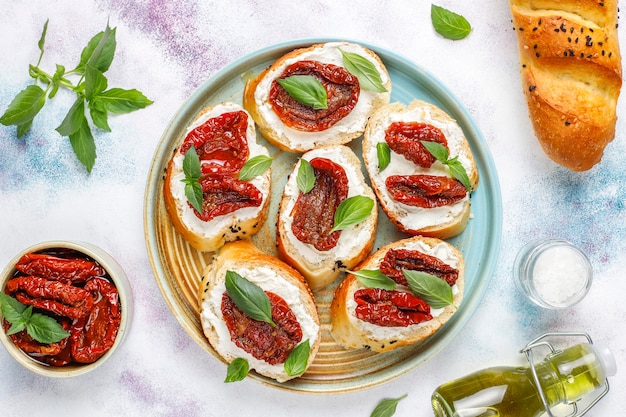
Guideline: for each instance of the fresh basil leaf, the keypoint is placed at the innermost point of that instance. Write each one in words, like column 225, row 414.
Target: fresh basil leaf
column 306, row 176
column 306, row 90
column 83, row 144
column 24, row 107
column 42, row 38
column 56, row 79
column 437, row 150
column 118, row 100
column 95, row 82
column 352, row 210
column 16, row 327
column 254, row 167
column 364, row 70
column 448, row 24
column 384, row 155
column 373, row 278
column 249, row 297
column 237, row 370
column 99, row 52
column 387, row 407
column 100, row 118
column 297, row 360
column 45, row 329
column 192, row 171
column 12, row 310
column 24, row 128
column 457, row 169
column 74, row 118
column 435, row 291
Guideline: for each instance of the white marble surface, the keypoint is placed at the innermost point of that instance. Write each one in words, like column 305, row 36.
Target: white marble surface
column 166, row 49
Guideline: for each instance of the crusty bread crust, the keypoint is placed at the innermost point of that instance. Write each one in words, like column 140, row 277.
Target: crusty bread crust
column 353, row 333
column 244, row 254
column 571, row 76
column 327, row 265
column 438, row 226
column 280, row 135
column 215, row 233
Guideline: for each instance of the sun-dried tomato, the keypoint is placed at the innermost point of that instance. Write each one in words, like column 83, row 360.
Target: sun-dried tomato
column 314, row 212
column 92, row 336
column 390, row 308
column 260, row 339
column 221, row 143
column 68, row 270
column 427, row 191
column 223, row 195
column 53, row 296
column 342, row 90
column 39, row 351
column 405, row 138
column 396, row 260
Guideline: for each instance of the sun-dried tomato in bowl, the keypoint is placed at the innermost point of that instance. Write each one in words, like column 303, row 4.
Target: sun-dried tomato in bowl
column 65, row 307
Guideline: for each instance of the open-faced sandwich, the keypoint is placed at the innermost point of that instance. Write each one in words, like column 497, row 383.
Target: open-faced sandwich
column 318, row 95
column 421, row 168
column 217, row 183
column 327, row 216
column 401, row 294
column 257, row 309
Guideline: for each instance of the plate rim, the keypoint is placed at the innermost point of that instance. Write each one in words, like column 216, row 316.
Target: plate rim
column 488, row 175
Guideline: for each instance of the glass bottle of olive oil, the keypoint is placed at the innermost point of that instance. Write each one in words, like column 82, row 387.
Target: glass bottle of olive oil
column 564, row 377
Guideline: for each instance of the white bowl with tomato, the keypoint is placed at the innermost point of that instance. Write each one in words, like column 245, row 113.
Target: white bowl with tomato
column 65, row 307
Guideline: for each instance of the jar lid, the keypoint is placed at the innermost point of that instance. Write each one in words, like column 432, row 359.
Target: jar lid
column 553, row 273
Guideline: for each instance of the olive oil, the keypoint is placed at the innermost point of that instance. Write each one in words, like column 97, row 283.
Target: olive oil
column 565, row 377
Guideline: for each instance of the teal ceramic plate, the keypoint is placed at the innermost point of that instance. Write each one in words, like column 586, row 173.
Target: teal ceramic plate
column 178, row 267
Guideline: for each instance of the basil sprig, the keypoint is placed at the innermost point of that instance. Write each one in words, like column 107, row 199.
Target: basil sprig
column 297, row 360
column 192, row 171
column 387, row 407
column 254, row 167
column 249, row 297
column 237, row 370
column 457, row 169
column 435, row 291
column 448, row 24
column 373, row 278
column 364, row 70
column 351, row 211
column 42, row 328
column 305, row 89
column 306, row 176
column 384, row 155
column 92, row 94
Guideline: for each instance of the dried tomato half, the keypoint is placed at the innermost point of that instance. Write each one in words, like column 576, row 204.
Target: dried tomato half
column 314, row 212
column 390, row 308
column 427, row 191
column 405, row 138
column 68, row 270
column 260, row 339
column 92, row 336
column 53, row 296
column 396, row 260
column 342, row 90
column 223, row 195
column 221, row 143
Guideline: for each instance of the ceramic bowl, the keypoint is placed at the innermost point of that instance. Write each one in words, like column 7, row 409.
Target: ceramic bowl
column 115, row 273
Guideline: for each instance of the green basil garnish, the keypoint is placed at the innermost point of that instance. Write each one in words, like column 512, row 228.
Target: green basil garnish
column 297, row 360
column 192, row 171
column 456, row 168
column 387, row 407
column 364, row 70
column 305, row 89
column 448, row 24
column 42, row 328
column 373, row 278
column 237, row 370
column 254, row 167
column 351, row 211
column 249, row 297
column 306, row 176
column 435, row 291
column 384, row 155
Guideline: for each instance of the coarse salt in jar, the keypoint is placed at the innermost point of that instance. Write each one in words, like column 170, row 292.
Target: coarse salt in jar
column 553, row 273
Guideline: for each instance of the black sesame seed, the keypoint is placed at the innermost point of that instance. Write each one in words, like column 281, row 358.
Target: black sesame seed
column 538, row 55
column 532, row 88
column 567, row 123
column 610, row 54
column 535, row 46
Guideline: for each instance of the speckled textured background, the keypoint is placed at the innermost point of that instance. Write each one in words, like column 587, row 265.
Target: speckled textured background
column 167, row 49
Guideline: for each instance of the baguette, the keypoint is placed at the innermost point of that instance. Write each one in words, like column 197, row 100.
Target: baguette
column 354, row 333
column 320, row 267
column 294, row 139
column 571, row 75
column 244, row 221
column 442, row 221
column 273, row 276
